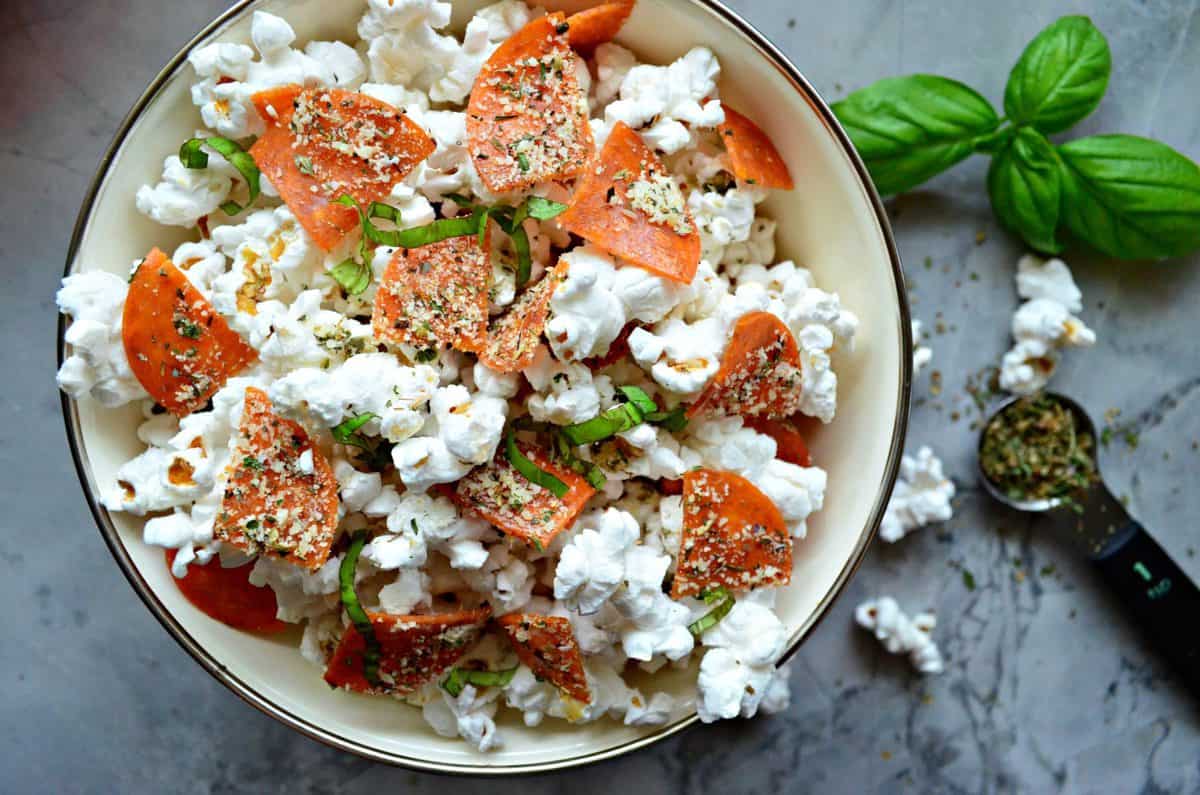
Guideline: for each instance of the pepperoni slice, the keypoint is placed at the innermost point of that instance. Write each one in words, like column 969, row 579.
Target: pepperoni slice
column 754, row 158
column 513, row 337
column 618, row 349
column 499, row 494
column 548, row 647
column 789, row 439
column 594, row 26
column 627, row 204
column 322, row 143
column 759, row 374
column 281, row 498
column 733, row 536
column 414, row 650
column 227, row 595
column 178, row 347
column 527, row 117
column 435, row 294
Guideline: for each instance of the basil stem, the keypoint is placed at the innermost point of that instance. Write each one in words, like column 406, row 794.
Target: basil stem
column 354, row 609
column 530, row 470
column 461, row 677
column 714, row 616
column 193, row 157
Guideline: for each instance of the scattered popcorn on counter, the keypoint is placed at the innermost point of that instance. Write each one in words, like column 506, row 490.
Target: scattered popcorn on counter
column 922, row 353
column 922, row 496
column 901, row 635
column 1042, row 326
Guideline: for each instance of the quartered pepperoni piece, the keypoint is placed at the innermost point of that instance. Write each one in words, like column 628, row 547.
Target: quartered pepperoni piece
column 628, row 204
column 512, row 338
column 548, row 647
column 594, row 26
column 790, row 445
column 281, row 498
column 436, row 294
column 754, row 158
column 733, row 536
column 322, row 143
column 618, row 349
column 527, row 117
column 178, row 347
column 499, row 494
column 227, row 595
column 759, row 374
column 414, row 650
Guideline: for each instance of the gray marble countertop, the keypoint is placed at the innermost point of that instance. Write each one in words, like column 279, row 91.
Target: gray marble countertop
column 1046, row 688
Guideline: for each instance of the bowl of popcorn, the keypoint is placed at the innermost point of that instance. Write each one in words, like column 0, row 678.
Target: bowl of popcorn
column 485, row 388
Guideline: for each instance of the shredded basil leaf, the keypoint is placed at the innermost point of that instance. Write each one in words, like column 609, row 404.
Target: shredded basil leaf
column 639, row 398
column 522, row 161
column 530, row 470
column 590, row 472
column 615, row 420
column 674, row 420
column 353, row 276
column 461, row 677
column 193, row 157
column 354, row 608
column 714, row 616
column 543, row 209
column 426, row 355
column 347, row 432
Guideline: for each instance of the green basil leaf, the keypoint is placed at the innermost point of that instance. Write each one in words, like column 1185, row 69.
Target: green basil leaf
column 1061, row 77
column 674, row 420
column 347, row 432
column 543, row 209
column 459, row 678
column 354, row 609
column 530, row 470
column 1130, row 197
column 605, row 425
column 1024, row 184
column 638, row 397
column 353, row 276
column 714, row 616
column 564, row 454
column 193, row 157
column 909, row 129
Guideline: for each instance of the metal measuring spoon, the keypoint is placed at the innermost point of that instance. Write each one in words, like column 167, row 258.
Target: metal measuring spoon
column 1160, row 597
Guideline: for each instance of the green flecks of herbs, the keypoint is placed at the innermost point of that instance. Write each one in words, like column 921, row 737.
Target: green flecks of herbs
column 1126, row 196
column 968, row 579
column 193, row 157
column 250, row 462
column 426, row 355
column 305, row 164
column 187, row 328
column 354, row 609
column 1034, row 450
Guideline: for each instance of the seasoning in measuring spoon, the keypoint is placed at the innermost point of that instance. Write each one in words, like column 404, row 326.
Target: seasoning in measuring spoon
column 1034, row 450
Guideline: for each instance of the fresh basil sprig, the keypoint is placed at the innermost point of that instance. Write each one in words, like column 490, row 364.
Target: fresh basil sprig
column 1127, row 197
column 193, row 157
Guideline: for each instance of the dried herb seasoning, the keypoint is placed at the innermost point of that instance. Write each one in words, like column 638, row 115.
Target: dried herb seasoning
column 1034, row 450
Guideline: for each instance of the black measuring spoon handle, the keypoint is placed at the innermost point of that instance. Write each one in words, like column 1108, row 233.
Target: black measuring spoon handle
column 1161, row 597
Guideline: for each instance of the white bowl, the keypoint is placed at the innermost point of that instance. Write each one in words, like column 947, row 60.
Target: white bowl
column 833, row 223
